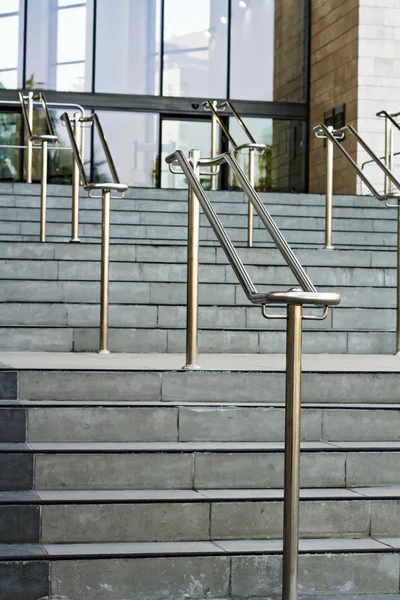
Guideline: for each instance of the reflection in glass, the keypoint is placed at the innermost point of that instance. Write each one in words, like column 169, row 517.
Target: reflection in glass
column 128, row 61
column 133, row 142
column 195, row 48
column 281, row 166
column 252, row 50
column 10, row 135
column 268, row 41
column 11, row 38
column 183, row 135
column 59, row 47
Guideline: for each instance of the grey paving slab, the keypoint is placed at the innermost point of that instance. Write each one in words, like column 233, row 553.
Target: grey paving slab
column 377, row 492
column 68, row 385
column 36, row 339
column 122, row 340
column 277, row 494
column 252, row 520
column 242, row 424
column 356, row 425
column 249, row 470
column 372, row 468
column 8, row 385
column 24, row 579
column 102, row 523
column 318, row 574
column 145, row 578
column 12, row 424
column 385, row 518
column 101, row 424
column 119, row 471
column 19, row 524
column 16, row 472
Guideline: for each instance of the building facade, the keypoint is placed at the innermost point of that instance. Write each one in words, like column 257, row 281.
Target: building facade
column 147, row 66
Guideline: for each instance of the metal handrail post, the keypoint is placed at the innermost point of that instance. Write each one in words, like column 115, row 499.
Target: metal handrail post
column 29, row 143
column 329, row 192
column 76, row 181
column 214, row 142
column 292, row 453
column 43, row 192
column 105, row 262
column 192, row 292
column 388, row 154
column 250, row 210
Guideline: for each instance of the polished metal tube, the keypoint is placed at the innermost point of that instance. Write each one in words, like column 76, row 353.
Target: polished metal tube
column 250, row 210
column 214, row 143
column 329, row 192
column 292, row 453
column 75, row 181
column 29, row 143
column 192, row 292
column 388, row 154
column 105, row 261
column 43, row 193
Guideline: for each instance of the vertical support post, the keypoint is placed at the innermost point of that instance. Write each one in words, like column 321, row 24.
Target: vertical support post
column 250, row 212
column 398, row 282
column 329, row 193
column 105, row 261
column 292, row 453
column 214, row 146
column 192, row 293
column 43, row 193
column 75, row 181
column 29, row 143
column 388, row 154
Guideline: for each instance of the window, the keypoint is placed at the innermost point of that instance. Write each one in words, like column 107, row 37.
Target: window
column 195, row 48
column 59, row 45
column 128, row 61
column 11, row 37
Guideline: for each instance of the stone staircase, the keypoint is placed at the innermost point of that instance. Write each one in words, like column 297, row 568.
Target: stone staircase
column 148, row 295
column 159, row 217
column 145, row 484
column 123, row 477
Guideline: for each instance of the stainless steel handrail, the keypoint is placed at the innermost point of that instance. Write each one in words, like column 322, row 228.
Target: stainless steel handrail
column 106, row 189
column 40, row 140
column 252, row 146
column 390, row 123
column 323, row 131
column 294, row 300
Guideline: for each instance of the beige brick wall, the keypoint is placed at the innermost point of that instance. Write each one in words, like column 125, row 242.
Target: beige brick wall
column 333, row 81
column 289, row 86
column 289, row 51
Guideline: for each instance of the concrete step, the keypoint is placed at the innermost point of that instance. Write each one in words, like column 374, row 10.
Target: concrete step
column 60, row 517
column 194, row 465
column 54, row 377
column 160, row 422
column 302, row 218
column 226, row 569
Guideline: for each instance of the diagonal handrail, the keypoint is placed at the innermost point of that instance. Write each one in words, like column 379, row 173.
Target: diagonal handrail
column 223, row 238
column 251, row 146
column 318, row 129
column 294, row 299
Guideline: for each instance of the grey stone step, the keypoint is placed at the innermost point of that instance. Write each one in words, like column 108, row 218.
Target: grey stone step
column 223, row 570
column 234, row 318
column 169, row 465
column 203, row 520
column 169, row 423
column 318, row 385
column 208, row 255
column 379, row 221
